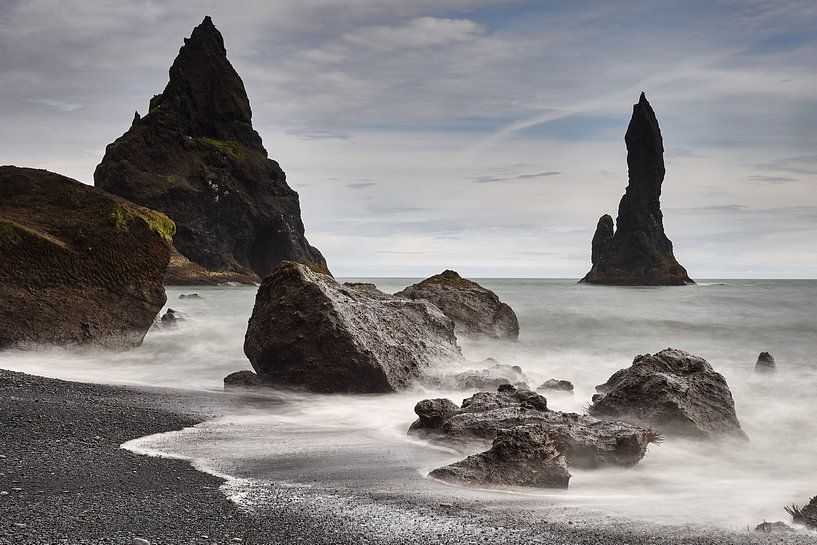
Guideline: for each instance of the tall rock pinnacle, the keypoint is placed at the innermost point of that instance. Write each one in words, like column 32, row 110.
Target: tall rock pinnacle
column 196, row 157
column 639, row 252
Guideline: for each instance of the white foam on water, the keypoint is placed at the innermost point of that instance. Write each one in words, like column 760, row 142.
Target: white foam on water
column 568, row 331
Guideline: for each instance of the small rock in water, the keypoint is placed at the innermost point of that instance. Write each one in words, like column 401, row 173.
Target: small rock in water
column 557, row 385
column 140, row 541
column 765, row 362
column 171, row 318
column 190, row 296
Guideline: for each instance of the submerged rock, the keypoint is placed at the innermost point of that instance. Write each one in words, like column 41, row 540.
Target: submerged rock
column 79, row 266
column 765, row 362
column 171, row 318
column 307, row 330
column 196, row 157
column 190, row 296
column 674, row 391
column 480, row 379
column 521, row 456
column 557, row 385
column 476, row 311
column 638, row 252
column 585, row 441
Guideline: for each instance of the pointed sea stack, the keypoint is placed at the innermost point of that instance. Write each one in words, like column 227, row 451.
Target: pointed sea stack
column 638, row 253
column 196, row 157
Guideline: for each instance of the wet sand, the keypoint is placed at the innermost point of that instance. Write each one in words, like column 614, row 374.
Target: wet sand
column 60, row 446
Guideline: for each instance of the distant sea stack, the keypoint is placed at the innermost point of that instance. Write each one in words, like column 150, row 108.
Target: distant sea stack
column 77, row 266
column 638, row 252
column 196, row 157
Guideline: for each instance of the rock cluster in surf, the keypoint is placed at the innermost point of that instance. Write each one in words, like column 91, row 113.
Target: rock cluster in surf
column 638, row 252
column 586, row 442
column 79, row 266
column 307, row 330
column 476, row 311
column 196, row 157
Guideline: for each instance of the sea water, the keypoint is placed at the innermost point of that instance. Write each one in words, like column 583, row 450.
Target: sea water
column 568, row 331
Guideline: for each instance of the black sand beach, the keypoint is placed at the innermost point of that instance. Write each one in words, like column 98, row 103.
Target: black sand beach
column 68, row 481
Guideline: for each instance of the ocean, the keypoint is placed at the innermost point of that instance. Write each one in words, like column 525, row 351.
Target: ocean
column 342, row 445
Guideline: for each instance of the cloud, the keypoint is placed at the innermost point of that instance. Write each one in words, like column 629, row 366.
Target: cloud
column 770, row 180
column 806, row 164
column 318, row 134
column 361, row 185
column 56, row 104
column 496, row 179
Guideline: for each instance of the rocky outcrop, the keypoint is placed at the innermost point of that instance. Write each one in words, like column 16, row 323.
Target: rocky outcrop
column 521, row 456
column 639, row 252
column 77, row 266
column 556, row 385
column 196, row 157
column 476, row 311
column 674, row 391
column 765, row 363
column 585, row 441
column 309, row 331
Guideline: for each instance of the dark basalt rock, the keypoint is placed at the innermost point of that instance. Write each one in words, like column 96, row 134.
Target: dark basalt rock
column 765, row 363
column 196, row 157
column 557, row 385
column 77, row 266
column 190, row 296
column 171, row 319
column 432, row 413
column 241, row 380
column 585, row 441
column 309, row 331
column 674, row 391
column 476, row 311
column 639, row 252
column 521, row 456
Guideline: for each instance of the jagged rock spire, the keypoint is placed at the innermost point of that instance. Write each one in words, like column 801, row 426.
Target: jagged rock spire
column 206, row 92
column 639, row 251
column 196, row 157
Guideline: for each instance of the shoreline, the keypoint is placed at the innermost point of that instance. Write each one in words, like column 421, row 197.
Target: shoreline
column 61, row 443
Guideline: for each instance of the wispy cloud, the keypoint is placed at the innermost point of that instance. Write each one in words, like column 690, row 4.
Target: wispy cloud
column 56, row 104
column 498, row 179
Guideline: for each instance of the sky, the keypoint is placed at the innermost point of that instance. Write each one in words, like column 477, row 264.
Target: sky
column 485, row 136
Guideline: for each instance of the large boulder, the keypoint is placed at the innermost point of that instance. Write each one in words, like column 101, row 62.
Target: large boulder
column 674, row 391
column 307, row 330
column 476, row 311
column 521, row 456
column 586, row 442
column 77, row 266
column 638, row 252
column 196, row 157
